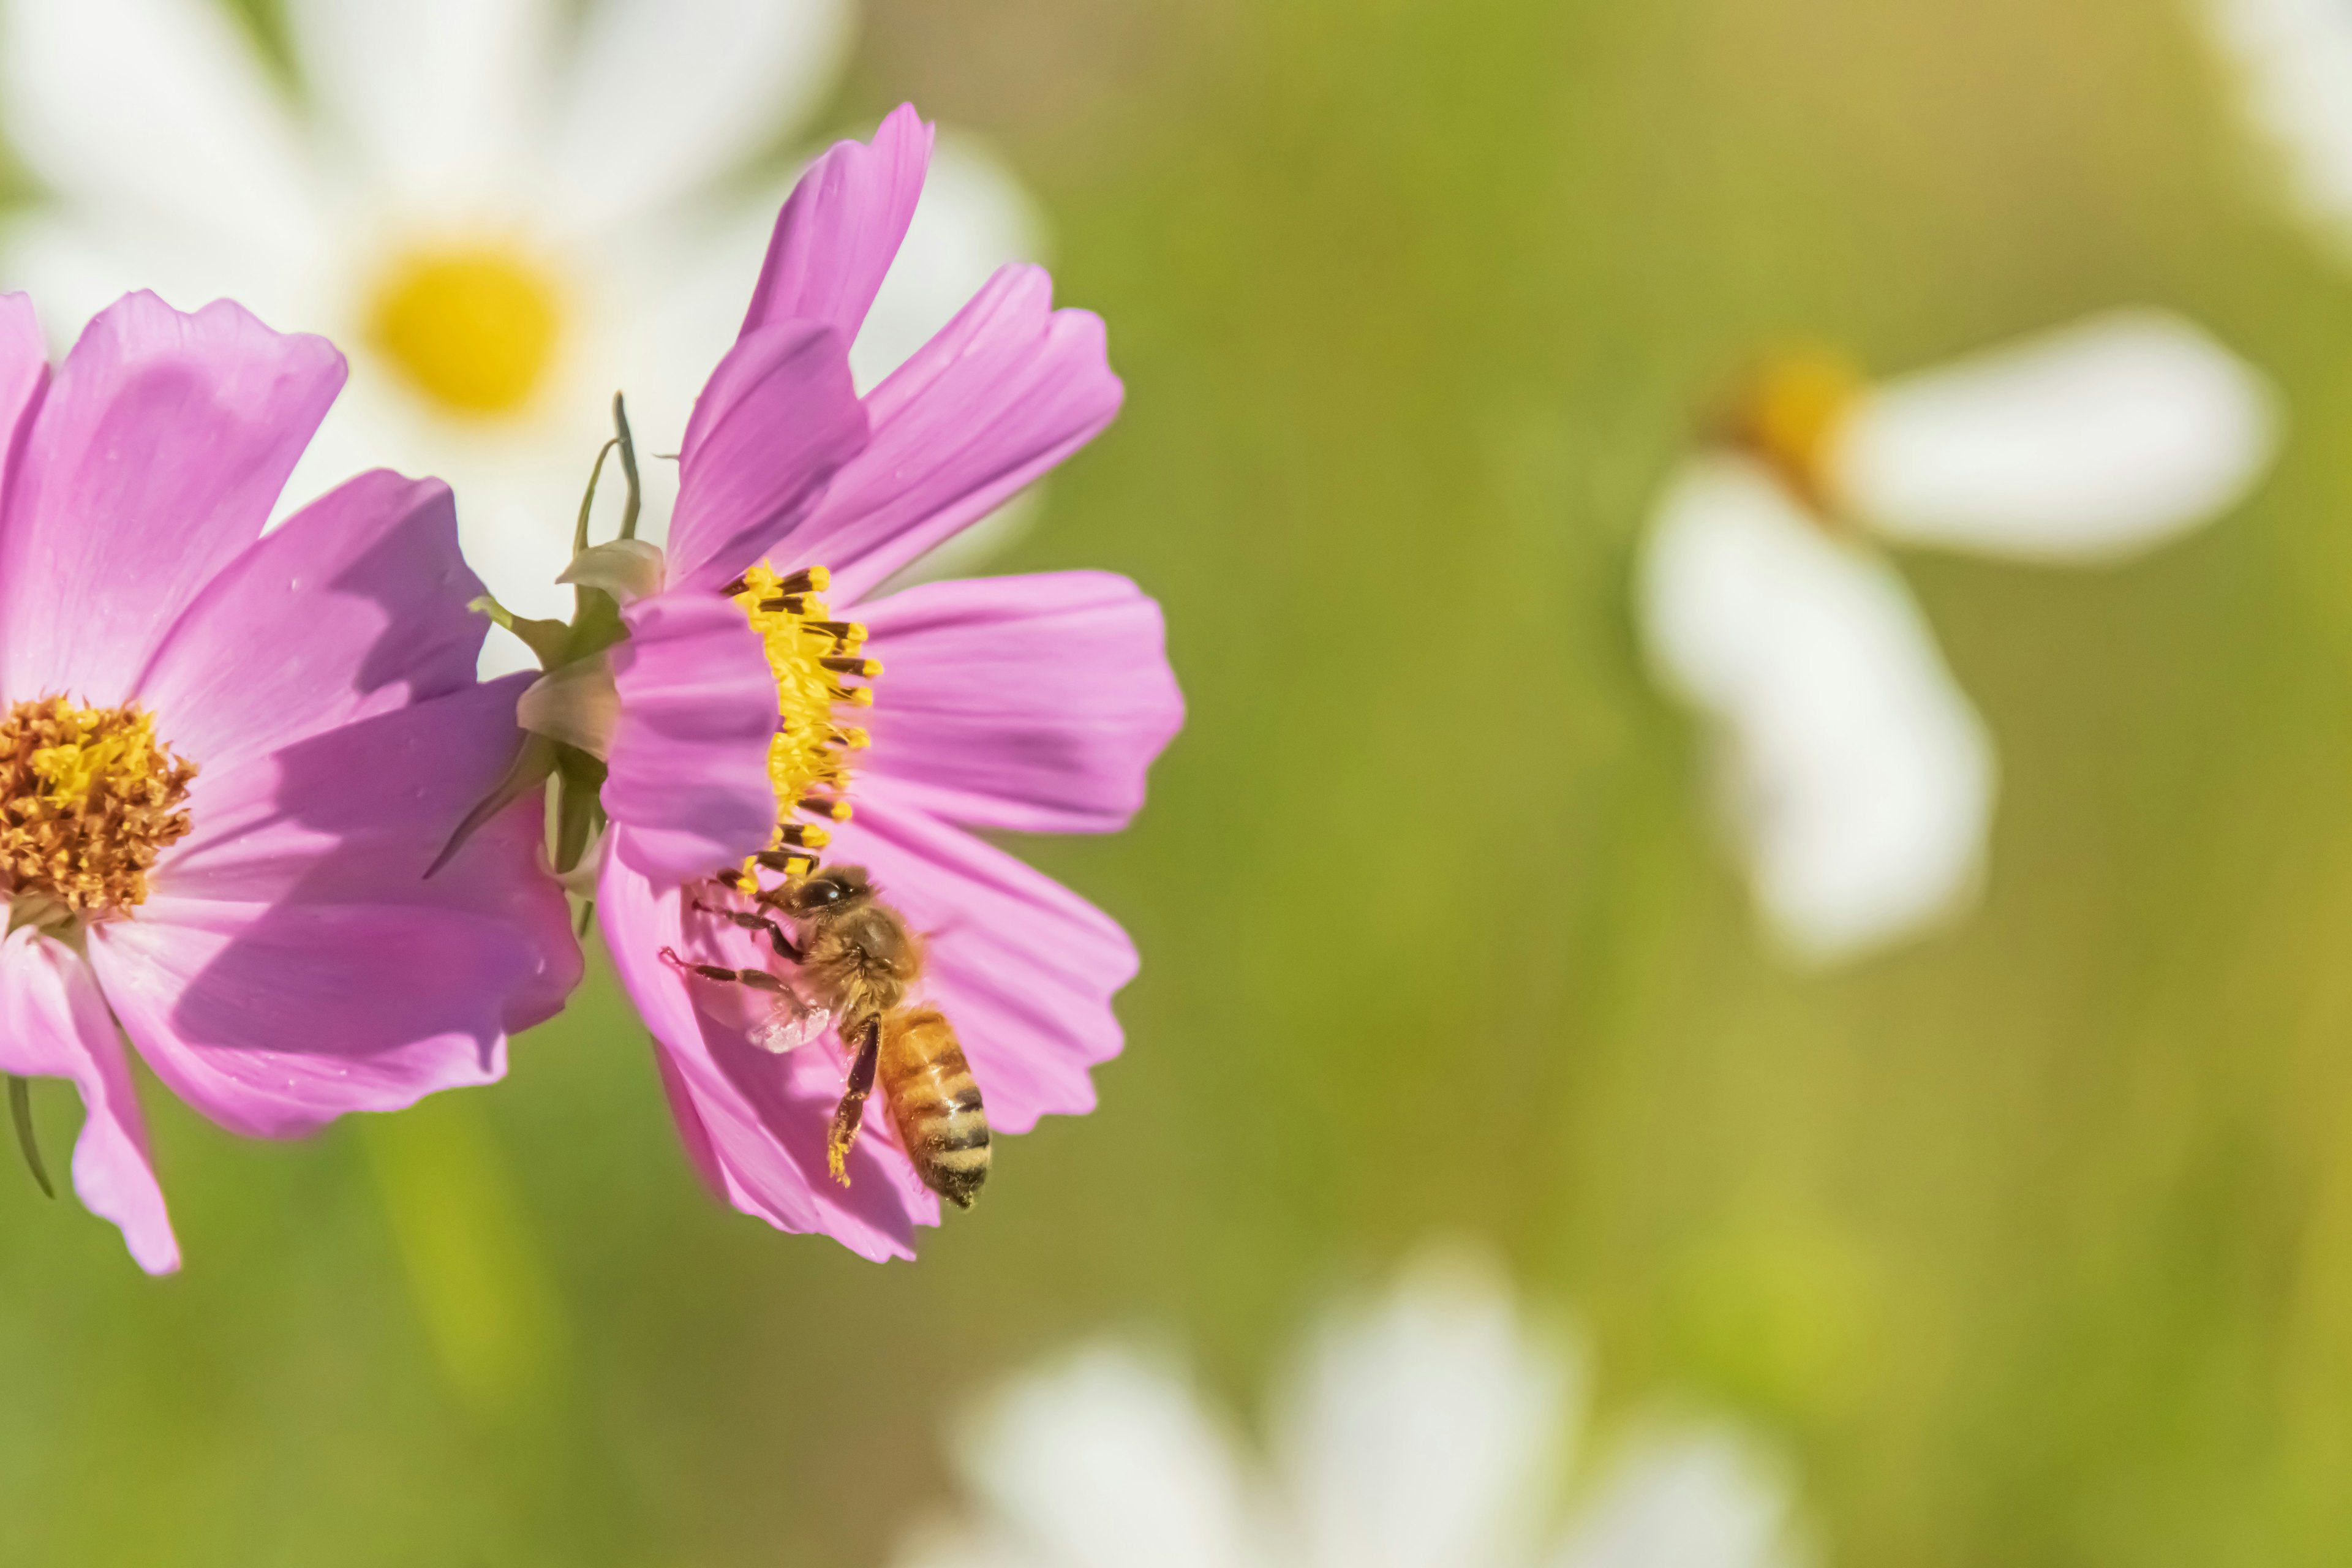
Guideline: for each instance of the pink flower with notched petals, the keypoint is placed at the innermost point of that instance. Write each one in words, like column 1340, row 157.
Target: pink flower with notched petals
column 226, row 759
column 1026, row 703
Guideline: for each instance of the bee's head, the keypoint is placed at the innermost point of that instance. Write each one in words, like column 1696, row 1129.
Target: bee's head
column 836, row 890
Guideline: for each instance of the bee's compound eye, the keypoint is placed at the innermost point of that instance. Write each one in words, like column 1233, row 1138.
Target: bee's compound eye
column 823, row 893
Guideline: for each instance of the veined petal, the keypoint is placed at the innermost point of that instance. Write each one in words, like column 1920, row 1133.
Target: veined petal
column 353, row 816
column 1699, row 1499
column 439, row 99
column 687, row 787
column 1004, row 394
column 841, row 228
column 754, row 1123
column 54, row 1024
column 1024, row 968
column 160, row 107
column 2093, row 442
column 153, row 462
column 2294, row 64
column 1108, row 1461
column 1424, row 1432
column 667, row 95
column 1030, row 703
column 776, row 421
column 973, row 220
column 1859, row 782
column 364, row 584
column 273, row 1020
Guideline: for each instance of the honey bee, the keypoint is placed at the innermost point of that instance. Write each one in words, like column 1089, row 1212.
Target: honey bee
column 856, row 959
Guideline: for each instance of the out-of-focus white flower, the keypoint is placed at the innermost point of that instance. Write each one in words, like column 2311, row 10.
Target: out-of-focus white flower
column 1856, row 780
column 1425, row 1430
column 502, row 215
column 2293, row 62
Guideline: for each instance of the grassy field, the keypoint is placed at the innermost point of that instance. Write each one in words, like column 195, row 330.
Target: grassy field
column 2032, row 1242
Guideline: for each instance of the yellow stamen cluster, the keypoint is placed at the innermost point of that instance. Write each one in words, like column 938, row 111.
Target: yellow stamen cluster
column 1789, row 414
column 88, row 798
column 813, row 657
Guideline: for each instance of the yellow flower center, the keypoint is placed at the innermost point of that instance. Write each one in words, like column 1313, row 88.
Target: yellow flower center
column 472, row 328
column 1789, row 415
column 812, row 657
column 88, row 798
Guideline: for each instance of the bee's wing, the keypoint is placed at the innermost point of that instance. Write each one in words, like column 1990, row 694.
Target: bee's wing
column 2089, row 443
column 789, row 1026
column 2294, row 59
column 1858, row 782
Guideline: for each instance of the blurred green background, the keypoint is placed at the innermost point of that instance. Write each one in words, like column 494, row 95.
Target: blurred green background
column 2033, row 1243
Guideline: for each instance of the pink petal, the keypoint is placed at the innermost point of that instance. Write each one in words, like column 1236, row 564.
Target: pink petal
column 275, row 1019
column 356, row 605
column 54, row 1024
column 154, row 459
column 1023, row 967
column 1005, row 392
column 688, row 781
column 776, row 419
column 841, row 228
column 1030, row 703
column 753, row 1124
column 355, row 816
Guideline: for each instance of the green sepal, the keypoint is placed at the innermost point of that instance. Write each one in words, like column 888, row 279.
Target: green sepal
column 594, row 628
column 578, row 806
column 546, row 639
column 533, row 765
column 628, row 445
column 20, row 1111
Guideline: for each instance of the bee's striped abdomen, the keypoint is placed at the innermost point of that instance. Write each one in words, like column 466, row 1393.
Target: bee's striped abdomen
column 935, row 1103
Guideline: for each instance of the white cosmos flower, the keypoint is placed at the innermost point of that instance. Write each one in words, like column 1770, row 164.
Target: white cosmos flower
column 1857, row 781
column 500, row 214
column 1424, row 1430
column 2293, row 63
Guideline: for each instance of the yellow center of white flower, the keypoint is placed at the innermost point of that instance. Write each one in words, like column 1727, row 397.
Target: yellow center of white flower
column 1789, row 415
column 812, row 657
column 88, row 798
column 472, row 328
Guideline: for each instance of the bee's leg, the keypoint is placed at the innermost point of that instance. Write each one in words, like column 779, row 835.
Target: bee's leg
column 776, row 937
column 757, row 979
column 851, row 1112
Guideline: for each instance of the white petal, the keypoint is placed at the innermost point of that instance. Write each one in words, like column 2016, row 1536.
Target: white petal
column 974, row 217
column 1109, row 1462
column 1702, row 1500
column 2295, row 63
column 438, row 98
column 1421, row 1432
column 73, row 270
column 1858, row 781
column 667, row 95
column 2088, row 443
column 159, row 109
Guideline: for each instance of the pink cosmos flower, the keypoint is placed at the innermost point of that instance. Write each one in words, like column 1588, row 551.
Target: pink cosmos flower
column 1026, row 703
column 226, row 758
